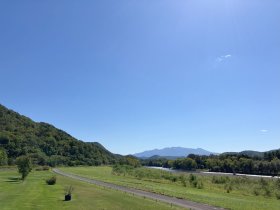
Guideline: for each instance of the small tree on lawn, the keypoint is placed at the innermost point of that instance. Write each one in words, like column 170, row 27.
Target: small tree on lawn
column 24, row 166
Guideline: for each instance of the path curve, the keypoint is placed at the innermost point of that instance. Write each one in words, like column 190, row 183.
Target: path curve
column 167, row 199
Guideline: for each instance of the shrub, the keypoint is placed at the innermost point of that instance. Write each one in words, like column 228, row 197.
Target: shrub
column 267, row 192
column 42, row 168
column 277, row 184
column 51, row 181
column 46, row 168
column 68, row 190
column 121, row 170
column 194, row 183
column 139, row 174
column 200, row 184
column 263, row 182
column 228, row 188
column 183, row 180
column 256, row 191
column 220, row 180
column 193, row 180
column 277, row 194
column 174, row 178
column 184, row 183
column 39, row 169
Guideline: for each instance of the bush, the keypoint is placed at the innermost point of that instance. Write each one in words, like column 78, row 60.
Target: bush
column 183, row 180
column 51, row 181
column 277, row 194
column 200, row 184
column 193, row 180
column 263, row 182
column 122, row 170
column 43, row 168
column 277, row 184
column 174, row 178
column 228, row 188
column 220, row 180
column 68, row 190
column 46, row 168
column 184, row 183
column 267, row 192
column 39, row 169
column 256, row 192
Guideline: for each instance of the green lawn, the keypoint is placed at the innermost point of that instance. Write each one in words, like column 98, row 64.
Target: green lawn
column 240, row 198
column 34, row 193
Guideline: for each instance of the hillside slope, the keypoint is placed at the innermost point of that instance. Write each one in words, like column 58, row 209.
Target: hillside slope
column 46, row 144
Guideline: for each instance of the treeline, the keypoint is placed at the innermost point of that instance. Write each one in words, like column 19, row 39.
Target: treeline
column 45, row 144
column 268, row 164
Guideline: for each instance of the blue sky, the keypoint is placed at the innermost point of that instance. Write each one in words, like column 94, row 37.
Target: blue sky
column 137, row 75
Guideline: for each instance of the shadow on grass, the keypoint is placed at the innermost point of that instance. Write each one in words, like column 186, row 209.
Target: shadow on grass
column 13, row 179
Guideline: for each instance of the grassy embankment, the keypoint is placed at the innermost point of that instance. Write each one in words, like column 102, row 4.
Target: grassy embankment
column 232, row 193
column 34, row 193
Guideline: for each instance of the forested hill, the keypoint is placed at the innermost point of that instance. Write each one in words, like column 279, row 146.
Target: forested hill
column 46, row 144
column 247, row 153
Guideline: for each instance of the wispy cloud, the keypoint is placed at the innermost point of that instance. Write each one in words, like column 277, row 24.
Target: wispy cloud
column 223, row 57
column 263, row 131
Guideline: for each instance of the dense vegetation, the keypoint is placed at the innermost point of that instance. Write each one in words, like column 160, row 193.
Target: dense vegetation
column 229, row 192
column 45, row 144
column 265, row 187
column 266, row 164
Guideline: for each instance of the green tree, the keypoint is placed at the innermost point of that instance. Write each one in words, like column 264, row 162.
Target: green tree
column 131, row 161
column 188, row 164
column 3, row 157
column 24, row 166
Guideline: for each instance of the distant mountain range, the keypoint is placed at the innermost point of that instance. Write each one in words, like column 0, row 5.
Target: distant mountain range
column 173, row 152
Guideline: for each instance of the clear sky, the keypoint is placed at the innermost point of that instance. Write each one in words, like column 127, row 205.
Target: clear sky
column 144, row 74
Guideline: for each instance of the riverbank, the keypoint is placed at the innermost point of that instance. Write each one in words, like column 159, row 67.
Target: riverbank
column 212, row 173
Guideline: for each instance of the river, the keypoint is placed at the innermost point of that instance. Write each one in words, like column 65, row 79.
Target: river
column 212, row 173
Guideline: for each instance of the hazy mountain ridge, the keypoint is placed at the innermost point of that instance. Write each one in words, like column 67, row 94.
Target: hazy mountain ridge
column 173, row 152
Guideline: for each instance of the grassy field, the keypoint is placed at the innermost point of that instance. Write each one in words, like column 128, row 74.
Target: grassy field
column 34, row 193
column 237, row 193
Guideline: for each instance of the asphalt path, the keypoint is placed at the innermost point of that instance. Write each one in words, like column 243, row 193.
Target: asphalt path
column 167, row 199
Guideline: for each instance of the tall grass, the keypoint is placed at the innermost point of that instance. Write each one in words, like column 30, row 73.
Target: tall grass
column 239, row 185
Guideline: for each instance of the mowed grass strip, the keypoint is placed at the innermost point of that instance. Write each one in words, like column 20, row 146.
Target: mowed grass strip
column 211, row 194
column 34, row 193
